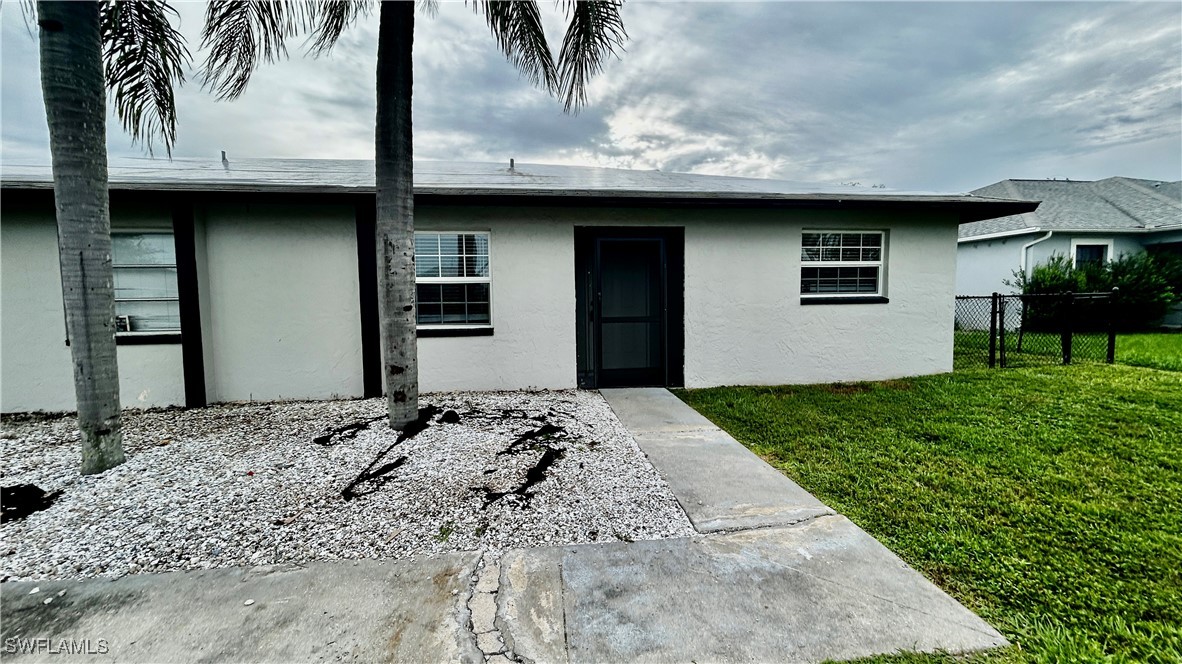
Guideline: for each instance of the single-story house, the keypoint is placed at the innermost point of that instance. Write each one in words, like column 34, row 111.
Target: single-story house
column 1083, row 220
column 256, row 279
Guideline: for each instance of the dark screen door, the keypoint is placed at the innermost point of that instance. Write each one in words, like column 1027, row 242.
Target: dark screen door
column 630, row 306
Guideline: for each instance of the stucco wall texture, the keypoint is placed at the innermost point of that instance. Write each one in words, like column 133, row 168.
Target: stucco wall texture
column 281, row 317
column 35, row 366
column 982, row 268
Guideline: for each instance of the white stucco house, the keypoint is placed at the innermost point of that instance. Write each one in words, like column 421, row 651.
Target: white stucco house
column 257, row 280
column 1083, row 220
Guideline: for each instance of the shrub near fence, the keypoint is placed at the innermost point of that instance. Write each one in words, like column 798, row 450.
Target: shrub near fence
column 1025, row 330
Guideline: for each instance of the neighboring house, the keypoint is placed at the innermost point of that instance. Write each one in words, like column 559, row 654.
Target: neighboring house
column 1085, row 221
column 257, row 280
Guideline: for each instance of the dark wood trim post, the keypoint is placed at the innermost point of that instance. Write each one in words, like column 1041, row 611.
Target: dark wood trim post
column 367, row 287
column 192, row 352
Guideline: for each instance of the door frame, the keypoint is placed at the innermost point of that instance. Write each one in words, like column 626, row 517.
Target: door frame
column 588, row 352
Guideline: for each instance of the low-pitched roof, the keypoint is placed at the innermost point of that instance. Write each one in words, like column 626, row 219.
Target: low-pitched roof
column 1116, row 204
column 525, row 183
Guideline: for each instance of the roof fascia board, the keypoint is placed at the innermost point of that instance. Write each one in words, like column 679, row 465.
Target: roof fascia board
column 1080, row 231
column 1119, row 231
column 1000, row 234
column 969, row 209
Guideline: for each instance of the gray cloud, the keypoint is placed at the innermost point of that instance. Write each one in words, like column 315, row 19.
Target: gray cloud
column 945, row 96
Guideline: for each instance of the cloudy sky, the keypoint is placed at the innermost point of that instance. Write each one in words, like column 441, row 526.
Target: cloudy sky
column 935, row 96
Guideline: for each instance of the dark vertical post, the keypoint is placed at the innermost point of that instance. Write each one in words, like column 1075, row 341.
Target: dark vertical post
column 192, row 352
column 1112, row 326
column 1065, row 312
column 1022, row 323
column 993, row 330
column 1001, row 330
column 367, row 288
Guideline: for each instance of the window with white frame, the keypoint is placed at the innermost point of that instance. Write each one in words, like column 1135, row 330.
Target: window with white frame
column 144, row 267
column 453, row 281
column 1090, row 252
column 841, row 263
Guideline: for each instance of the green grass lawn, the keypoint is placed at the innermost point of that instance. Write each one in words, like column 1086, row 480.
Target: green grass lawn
column 1154, row 350
column 1048, row 500
column 1158, row 351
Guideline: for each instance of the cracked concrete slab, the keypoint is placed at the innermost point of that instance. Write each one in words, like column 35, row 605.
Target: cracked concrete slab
column 720, row 484
column 530, row 613
column 817, row 591
column 365, row 610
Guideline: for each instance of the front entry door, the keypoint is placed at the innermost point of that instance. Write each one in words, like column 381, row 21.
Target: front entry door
column 625, row 310
column 631, row 311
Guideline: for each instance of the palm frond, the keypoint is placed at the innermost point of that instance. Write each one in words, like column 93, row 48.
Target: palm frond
column 595, row 31
column 330, row 18
column 429, row 7
column 28, row 13
column 144, row 57
column 241, row 34
column 517, row 27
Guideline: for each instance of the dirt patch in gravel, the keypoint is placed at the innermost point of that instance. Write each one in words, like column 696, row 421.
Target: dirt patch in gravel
column 253, row 484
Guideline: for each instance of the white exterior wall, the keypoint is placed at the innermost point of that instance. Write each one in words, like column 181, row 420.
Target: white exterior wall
column 280, row 302
column 1060, row 243
column 35, row 365
column 532, row 263
column 281, row 316
column 744, row 323
column 983, row 267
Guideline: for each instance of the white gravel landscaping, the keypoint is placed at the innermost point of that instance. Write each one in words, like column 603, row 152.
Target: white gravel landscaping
column 254, row 484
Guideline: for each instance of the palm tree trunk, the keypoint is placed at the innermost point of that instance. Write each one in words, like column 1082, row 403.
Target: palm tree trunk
column 74, row 92
column 395, row 214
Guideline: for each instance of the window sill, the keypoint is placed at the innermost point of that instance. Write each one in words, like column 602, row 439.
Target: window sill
column 868, row 299
column 147, row 338
column 424, row 331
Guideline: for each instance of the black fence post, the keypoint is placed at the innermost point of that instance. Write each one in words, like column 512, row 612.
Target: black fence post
column 1112, row 325
column 1021, row 323
column 993, row 331
column 1001, row 331
column 1065, row 336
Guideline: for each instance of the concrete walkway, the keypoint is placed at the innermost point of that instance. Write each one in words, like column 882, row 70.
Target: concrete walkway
column 774, row 576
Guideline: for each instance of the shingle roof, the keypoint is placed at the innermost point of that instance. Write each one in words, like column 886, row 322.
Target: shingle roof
column 526, row 181
column 1114, row 204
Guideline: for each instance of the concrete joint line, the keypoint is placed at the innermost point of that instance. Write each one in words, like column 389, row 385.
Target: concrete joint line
column 562, row 602
column 651, row 433
column 788, row 523
column 481, row 604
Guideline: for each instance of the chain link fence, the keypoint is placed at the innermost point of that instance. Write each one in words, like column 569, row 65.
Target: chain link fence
column 1029, row 330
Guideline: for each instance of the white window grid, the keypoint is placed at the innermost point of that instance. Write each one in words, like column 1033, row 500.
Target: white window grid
column 820, row 262
column 487, row 279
